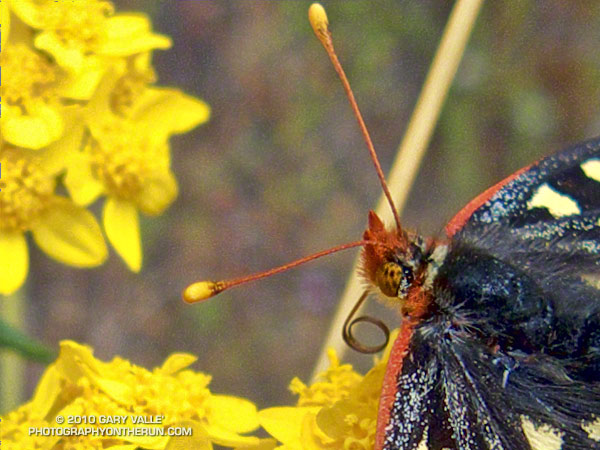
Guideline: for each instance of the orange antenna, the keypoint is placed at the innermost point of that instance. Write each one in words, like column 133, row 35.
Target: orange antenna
column 203, row 290
column 318, row 20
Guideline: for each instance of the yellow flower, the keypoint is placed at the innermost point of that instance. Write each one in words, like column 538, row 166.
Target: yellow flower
column 79, row 53
column 79, row 385
column 334, row 384
column 35, row 86
column 127, row 156
column 135, row 78
column 31, row 116
column 64, row 230
column 77, row 33
column 84, row 40
column 337, row 412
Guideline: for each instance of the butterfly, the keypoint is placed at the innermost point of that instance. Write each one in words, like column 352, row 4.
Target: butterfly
column 501, row 321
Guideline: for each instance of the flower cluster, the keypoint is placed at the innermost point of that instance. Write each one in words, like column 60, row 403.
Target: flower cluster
column 80, row 386
column 337, row 412
column 80, row 111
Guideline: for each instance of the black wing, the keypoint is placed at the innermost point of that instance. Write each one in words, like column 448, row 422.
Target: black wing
column 449, row 396
column 521, row 276
column 552, row 208
column 570, row 172
column 416, row 394
column 544, row 227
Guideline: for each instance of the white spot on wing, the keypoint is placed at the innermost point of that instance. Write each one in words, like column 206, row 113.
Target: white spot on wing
column 556, row 203
column 593, row 430
column 591, row 168
column 541, row 438
column 423, row 444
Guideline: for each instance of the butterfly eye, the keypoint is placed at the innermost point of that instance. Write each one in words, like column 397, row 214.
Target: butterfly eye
column 393, row 279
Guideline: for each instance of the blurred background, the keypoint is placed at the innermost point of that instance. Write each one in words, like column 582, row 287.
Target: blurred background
column 281, row 171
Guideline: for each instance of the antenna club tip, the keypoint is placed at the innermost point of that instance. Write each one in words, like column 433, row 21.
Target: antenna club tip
column 318, row 19
column 201, row 290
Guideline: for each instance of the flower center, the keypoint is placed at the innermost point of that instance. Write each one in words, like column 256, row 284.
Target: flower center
column 130, row 86
column 76, row 24
column 27, row 75
column 26, row 190
column 120, row 158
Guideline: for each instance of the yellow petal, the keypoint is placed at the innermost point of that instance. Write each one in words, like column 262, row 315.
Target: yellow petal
column 312, row 437
column 28, row 12
column 42, row 126
column 70, row 234
column 14, row 261
column 157, row 193
column 70, row 58
column 390, row 345
column 76, row 361
column 47, row 391
column 5, row 22
column 296, row 445
column 127, row 34
column 370, row 385
column 285, row 423
column 120, row 392
column 99, row 105
column 331, row 419
column 72, row 357
column 58, row 154
column 72, row 409
column 83, row 84
column 121, row 223
column 176, row 362
column 83, row 187
column 122, row 227
column 198, row 440
column 263, row 444
column 167, row 111
column 142, row 63
column 228, row 438
column 233, row 413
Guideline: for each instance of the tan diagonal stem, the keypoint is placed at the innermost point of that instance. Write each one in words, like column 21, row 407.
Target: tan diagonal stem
column 411, row 149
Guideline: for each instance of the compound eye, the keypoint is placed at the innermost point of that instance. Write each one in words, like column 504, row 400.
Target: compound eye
column 389, row 278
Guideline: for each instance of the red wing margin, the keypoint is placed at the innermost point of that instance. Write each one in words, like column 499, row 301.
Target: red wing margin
column 564, row 184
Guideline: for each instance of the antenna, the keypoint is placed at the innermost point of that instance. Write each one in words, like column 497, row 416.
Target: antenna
column 203, row 290
column 318, row 20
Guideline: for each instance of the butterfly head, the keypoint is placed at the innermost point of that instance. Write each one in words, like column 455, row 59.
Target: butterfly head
column 395, row 262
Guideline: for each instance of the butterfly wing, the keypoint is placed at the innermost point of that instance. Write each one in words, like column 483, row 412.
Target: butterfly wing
column 449, row 396
column 516, row 270
column 545, row 221
column 554, row 192
column 541, row 227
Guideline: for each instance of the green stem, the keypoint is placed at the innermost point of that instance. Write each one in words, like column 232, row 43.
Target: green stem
column 12, row 365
